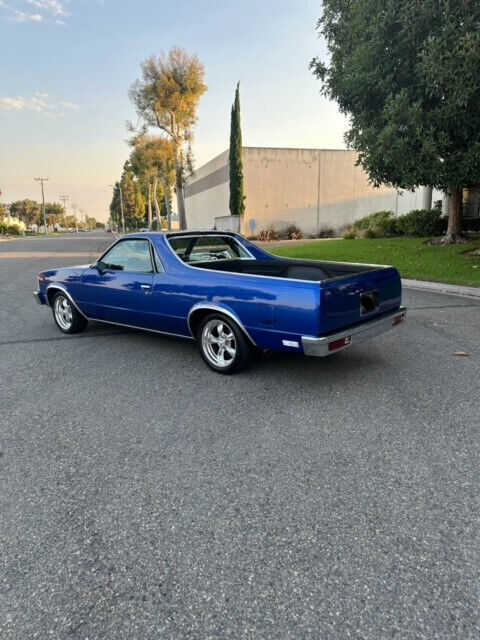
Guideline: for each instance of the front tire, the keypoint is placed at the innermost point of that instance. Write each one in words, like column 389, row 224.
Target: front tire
column 223, row 345
column 66, row 316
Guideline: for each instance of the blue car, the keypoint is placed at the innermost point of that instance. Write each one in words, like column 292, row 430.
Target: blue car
column 226, row 293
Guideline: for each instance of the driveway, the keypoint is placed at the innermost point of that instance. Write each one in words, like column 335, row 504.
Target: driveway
column 145, row 497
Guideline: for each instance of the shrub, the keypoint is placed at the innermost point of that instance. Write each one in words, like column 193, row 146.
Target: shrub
column 378, row 219
column 290, row 232
column 268, row 235
column 325, row 232
column 371, row 233
column 383, row 222
column 471, row 224
column 349, row 234
column 15, row 230
column 421, row 222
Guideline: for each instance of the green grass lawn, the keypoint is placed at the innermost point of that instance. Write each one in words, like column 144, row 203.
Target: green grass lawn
column 412, row 257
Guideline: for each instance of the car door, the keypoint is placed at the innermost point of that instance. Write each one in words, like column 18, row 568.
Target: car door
column 118, row 288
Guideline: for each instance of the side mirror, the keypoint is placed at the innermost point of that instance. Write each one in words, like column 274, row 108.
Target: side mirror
column 100, row 266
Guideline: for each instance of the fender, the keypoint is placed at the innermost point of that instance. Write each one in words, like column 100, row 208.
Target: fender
column 62, row 288
column 212, row 306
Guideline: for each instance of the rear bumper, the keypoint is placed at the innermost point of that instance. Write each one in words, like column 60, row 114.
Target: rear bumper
column 39, row 297
column 324, row 346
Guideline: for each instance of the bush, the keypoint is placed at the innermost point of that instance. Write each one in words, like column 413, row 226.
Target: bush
column 349, row 234
column 371, row 233
column 422, row 223
column 384, row 221
column 471, row 224
column 290, row 232
column 325, row 232
column 15, row 230
column 11, row 228
column 268, row 235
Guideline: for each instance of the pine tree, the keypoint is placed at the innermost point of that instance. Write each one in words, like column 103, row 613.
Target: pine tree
column 237, row 197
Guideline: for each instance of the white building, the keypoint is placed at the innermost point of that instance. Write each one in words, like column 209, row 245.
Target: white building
column 312, row 188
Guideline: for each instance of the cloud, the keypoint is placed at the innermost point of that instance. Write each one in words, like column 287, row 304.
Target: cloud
column 23, row 16
column 48, row 11
column 39, row 103
column 57, row 7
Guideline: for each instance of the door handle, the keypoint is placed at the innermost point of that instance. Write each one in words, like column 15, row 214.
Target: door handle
column 146, row 287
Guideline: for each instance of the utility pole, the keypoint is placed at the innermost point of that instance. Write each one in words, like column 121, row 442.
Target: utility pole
column 74, row 207
column 64, row 198
column 42, row 182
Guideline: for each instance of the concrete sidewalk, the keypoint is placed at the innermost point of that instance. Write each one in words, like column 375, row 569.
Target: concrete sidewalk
column 440, row 287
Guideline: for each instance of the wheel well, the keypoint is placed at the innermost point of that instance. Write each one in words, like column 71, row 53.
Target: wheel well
column 199, row 314
column 51, row 292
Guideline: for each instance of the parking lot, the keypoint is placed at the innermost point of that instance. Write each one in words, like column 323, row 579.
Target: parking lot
column 144, row 496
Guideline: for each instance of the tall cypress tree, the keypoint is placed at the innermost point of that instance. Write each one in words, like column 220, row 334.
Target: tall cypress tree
column 237, row 197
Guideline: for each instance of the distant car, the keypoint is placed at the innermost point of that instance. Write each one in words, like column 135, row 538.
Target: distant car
column 143, row 230
column 227, row 294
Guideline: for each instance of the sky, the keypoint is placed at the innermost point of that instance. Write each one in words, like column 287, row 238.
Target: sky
column 66, row 67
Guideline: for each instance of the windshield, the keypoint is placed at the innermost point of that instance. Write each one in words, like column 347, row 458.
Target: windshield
column 208, row 248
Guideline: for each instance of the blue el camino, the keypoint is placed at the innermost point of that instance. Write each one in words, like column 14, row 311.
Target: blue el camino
column 229, row 295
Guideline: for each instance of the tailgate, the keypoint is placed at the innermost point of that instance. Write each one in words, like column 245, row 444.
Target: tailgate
column 352, row 299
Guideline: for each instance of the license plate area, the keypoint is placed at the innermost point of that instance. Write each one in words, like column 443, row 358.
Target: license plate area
column 369, row 302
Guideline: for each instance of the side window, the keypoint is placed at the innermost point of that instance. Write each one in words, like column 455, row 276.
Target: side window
column 207, row 248
column 129, row 255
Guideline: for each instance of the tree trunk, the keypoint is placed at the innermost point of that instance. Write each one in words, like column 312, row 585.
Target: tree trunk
column 149, row 207
column 167, row 205
column 182, row 220
column 155, row 202
column 427, row 198
column 454, row 230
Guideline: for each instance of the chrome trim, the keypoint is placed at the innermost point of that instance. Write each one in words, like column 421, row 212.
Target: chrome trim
column 61, row 288
column 319, row 346
column 154, row 257
column 132, row 326
column 36, row 295
column 377, row 267
column 216, row 307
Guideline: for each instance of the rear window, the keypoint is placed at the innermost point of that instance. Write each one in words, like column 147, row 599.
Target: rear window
column 208, row 248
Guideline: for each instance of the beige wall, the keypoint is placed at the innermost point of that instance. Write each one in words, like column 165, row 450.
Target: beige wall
column 207, row 193
column 312, row 188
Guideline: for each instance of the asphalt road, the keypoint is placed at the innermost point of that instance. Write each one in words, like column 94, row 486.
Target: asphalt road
column 143, row 496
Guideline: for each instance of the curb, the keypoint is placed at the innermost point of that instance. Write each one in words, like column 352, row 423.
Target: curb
column 439, row 287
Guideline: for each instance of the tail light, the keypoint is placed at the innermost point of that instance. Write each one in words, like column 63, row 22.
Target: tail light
column 338, row 344
column 41, row 277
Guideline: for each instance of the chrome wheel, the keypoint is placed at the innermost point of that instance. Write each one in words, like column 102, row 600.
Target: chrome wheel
column 63, row 312
column 218, row 343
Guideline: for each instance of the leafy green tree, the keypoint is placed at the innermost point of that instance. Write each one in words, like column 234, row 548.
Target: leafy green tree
column 237, row 196
column 406, row 73
column 153, row 162
column 115, row 209
column 167, row 97
column 3, row 210
column 54, row 213
column 27, row 210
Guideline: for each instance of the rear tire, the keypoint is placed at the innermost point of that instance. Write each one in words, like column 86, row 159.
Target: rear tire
column 223, row 345
column 66, row 316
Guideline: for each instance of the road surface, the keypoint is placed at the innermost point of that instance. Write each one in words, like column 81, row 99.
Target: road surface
column 144, row 497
